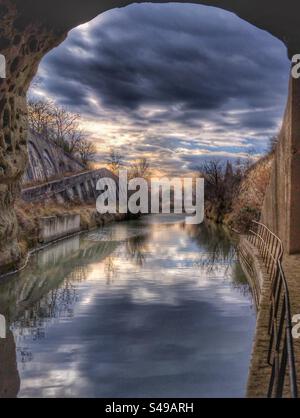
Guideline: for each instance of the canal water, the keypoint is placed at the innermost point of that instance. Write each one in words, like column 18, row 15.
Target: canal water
column 147, row 308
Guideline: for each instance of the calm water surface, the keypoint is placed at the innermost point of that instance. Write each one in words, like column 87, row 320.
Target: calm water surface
column 137, row 309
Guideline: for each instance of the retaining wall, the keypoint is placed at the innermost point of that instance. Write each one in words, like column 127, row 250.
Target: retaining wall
column 54, row 227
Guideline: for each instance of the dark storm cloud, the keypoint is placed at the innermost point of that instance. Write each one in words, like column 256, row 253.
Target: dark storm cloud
column 195, row 64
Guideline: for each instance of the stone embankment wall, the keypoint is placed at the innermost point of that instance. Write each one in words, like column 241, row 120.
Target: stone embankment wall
column 54, row 227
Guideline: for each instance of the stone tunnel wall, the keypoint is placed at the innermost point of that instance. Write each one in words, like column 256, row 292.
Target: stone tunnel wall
column 23, row 43
column 281, row 209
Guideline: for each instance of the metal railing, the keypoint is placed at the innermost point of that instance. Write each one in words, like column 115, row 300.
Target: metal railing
column 281, row 351
column 254, row 283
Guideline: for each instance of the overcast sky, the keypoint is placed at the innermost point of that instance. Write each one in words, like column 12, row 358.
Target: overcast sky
column 175, row 82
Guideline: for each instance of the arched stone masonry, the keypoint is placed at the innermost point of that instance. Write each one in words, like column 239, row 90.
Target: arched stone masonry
column 44, row 158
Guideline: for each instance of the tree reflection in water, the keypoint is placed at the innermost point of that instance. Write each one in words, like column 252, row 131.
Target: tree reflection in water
column 219, row 255
column 110, row 269
column 46, row 290
column 137, row 248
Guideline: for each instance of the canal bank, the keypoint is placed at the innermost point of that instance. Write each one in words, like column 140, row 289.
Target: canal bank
column 45, row 223
column 260, row 370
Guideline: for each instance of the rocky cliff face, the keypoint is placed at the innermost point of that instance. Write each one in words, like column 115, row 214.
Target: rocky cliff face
column 29, row 29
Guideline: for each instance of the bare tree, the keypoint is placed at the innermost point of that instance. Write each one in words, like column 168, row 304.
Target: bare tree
column 115, row 160
column 87, row 151
column 213, row 174
column 62, row 127
column 65, row 125
column 40, row 116
column 273, row 141
column 76, row 138
column 140, row 168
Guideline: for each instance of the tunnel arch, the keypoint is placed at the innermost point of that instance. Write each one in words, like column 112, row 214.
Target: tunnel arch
column 273, row 16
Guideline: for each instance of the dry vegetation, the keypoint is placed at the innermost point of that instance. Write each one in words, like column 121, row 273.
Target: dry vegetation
column 248, row 201
column 234, row 195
